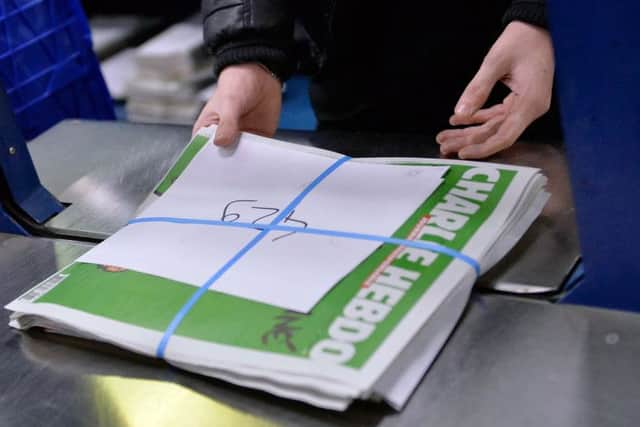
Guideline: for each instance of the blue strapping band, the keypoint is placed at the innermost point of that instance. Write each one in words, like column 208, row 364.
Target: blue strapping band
column 177, row 319
column 419, row 244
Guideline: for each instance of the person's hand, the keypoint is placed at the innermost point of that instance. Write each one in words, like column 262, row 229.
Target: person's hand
column 247, row 98
column 521, row 58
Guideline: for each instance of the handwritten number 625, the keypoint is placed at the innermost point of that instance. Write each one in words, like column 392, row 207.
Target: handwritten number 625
column 229, row 216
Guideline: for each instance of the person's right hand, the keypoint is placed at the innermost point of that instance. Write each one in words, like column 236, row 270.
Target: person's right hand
column 247, row 98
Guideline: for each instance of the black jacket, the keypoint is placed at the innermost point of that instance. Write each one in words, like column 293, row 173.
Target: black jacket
column 378, row 64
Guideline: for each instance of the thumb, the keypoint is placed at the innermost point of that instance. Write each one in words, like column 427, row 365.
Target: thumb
column 228, row 130
column 478, row 90
column 205, row 119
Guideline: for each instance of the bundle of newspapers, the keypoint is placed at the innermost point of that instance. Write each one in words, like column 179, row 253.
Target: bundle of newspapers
column 168, row 76
column 294, row 270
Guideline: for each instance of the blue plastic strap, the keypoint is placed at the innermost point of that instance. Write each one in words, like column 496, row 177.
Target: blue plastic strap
column 419, row 244
column 177, row 319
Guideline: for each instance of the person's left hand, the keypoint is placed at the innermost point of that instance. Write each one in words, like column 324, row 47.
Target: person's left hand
column 521, row 58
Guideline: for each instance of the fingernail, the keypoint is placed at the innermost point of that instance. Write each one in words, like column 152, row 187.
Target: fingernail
column 462, row 109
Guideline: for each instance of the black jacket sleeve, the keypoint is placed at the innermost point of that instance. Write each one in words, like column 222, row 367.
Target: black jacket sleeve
column 529, row 11
column 240, row 31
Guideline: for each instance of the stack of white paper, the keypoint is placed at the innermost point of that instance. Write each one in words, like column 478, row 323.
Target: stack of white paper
column 170, row 71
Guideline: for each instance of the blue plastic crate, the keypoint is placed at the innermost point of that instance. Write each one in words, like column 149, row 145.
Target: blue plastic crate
column 47, row 64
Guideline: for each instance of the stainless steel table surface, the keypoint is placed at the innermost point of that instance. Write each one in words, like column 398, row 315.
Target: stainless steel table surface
column 510, row 362
column 106, row 169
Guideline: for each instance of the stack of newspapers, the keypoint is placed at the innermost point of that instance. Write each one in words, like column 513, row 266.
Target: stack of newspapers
column 169, row 72
column 294, row 270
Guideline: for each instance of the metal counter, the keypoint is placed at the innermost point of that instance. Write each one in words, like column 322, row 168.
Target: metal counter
column 509, row 363
column 105, row 170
